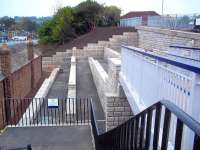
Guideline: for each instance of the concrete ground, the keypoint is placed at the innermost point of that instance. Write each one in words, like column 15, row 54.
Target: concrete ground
column 59, row 87
column 48, row 138
column 87, row 88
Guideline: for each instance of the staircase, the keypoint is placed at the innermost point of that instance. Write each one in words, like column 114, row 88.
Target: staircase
column 95, row 50
column 151, row 129
column 98, row 34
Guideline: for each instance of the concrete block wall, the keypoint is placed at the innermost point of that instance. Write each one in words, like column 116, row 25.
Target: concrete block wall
column 118, row 111
column 72, row 79
column 160, row 39
column 128, row 38
column 116, row 108
column 100, row 78
column 110, row 53
column 95, row 50
column 72, row 87
column 114, row 65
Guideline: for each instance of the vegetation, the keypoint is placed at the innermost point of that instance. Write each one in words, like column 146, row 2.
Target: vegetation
column 69, row 22
column 7, row 23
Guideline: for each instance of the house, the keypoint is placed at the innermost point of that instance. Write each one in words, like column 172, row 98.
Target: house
column 135, row 18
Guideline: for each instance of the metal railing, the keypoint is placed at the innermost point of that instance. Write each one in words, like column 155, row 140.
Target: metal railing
column 42, row 112
column 144, row 130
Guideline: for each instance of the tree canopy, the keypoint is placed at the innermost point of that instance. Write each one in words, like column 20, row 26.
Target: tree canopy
column 6, row 23
column 69, row 22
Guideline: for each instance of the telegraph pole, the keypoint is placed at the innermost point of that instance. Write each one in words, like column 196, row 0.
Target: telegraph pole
column 162, row 7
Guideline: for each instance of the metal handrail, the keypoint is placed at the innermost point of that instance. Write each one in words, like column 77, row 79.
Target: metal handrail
column 124, row 136
column 185, row 47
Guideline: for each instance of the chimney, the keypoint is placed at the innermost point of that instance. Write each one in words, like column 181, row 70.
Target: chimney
column 5, row 60
column 30, row 54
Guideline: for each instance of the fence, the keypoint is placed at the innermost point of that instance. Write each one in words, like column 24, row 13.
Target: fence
column 168, row 22
column 47, row 112
column 154, row 77
column 131, row 22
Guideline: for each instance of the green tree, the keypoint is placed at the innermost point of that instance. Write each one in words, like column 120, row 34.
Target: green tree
column 6, row 22
column 69, row 22
column 87, row 15
column 59, row 28
column 45, row 32
column 111, row 15
column 63, row 30
column 28, row 25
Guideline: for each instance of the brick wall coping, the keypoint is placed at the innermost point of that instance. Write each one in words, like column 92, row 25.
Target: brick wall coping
column 178, row 33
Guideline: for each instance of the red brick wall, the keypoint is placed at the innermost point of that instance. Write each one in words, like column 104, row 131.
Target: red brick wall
column 37, row 70
column 2, row 109
column 21, row 79
column 22, row 82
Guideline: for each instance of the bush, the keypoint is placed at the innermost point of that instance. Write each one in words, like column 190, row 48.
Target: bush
column 69, row 22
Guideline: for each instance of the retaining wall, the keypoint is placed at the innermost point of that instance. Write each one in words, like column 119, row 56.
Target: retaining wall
column 100, row 79
column 110, row 53
column 118, row 111
column 160, row 39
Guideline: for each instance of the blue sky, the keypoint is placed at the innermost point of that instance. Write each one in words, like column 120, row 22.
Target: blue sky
column 47, row 7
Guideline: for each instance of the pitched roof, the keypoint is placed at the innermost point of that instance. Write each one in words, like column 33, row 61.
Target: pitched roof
column 139, row 14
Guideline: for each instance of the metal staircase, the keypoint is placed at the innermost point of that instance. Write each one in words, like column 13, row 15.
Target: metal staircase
column 149, row 129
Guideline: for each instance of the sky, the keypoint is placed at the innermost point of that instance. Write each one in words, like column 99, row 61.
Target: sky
column 47, row 7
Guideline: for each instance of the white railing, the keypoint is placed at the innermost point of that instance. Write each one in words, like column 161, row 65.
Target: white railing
column 147, row 77
column 150, row 78
column 190, row 52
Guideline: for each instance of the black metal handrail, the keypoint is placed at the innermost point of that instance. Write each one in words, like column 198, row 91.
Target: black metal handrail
column 137, row 133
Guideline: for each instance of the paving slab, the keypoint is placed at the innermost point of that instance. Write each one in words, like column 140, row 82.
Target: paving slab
column 87, row 88
column 48, row 138
column 59, row 87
